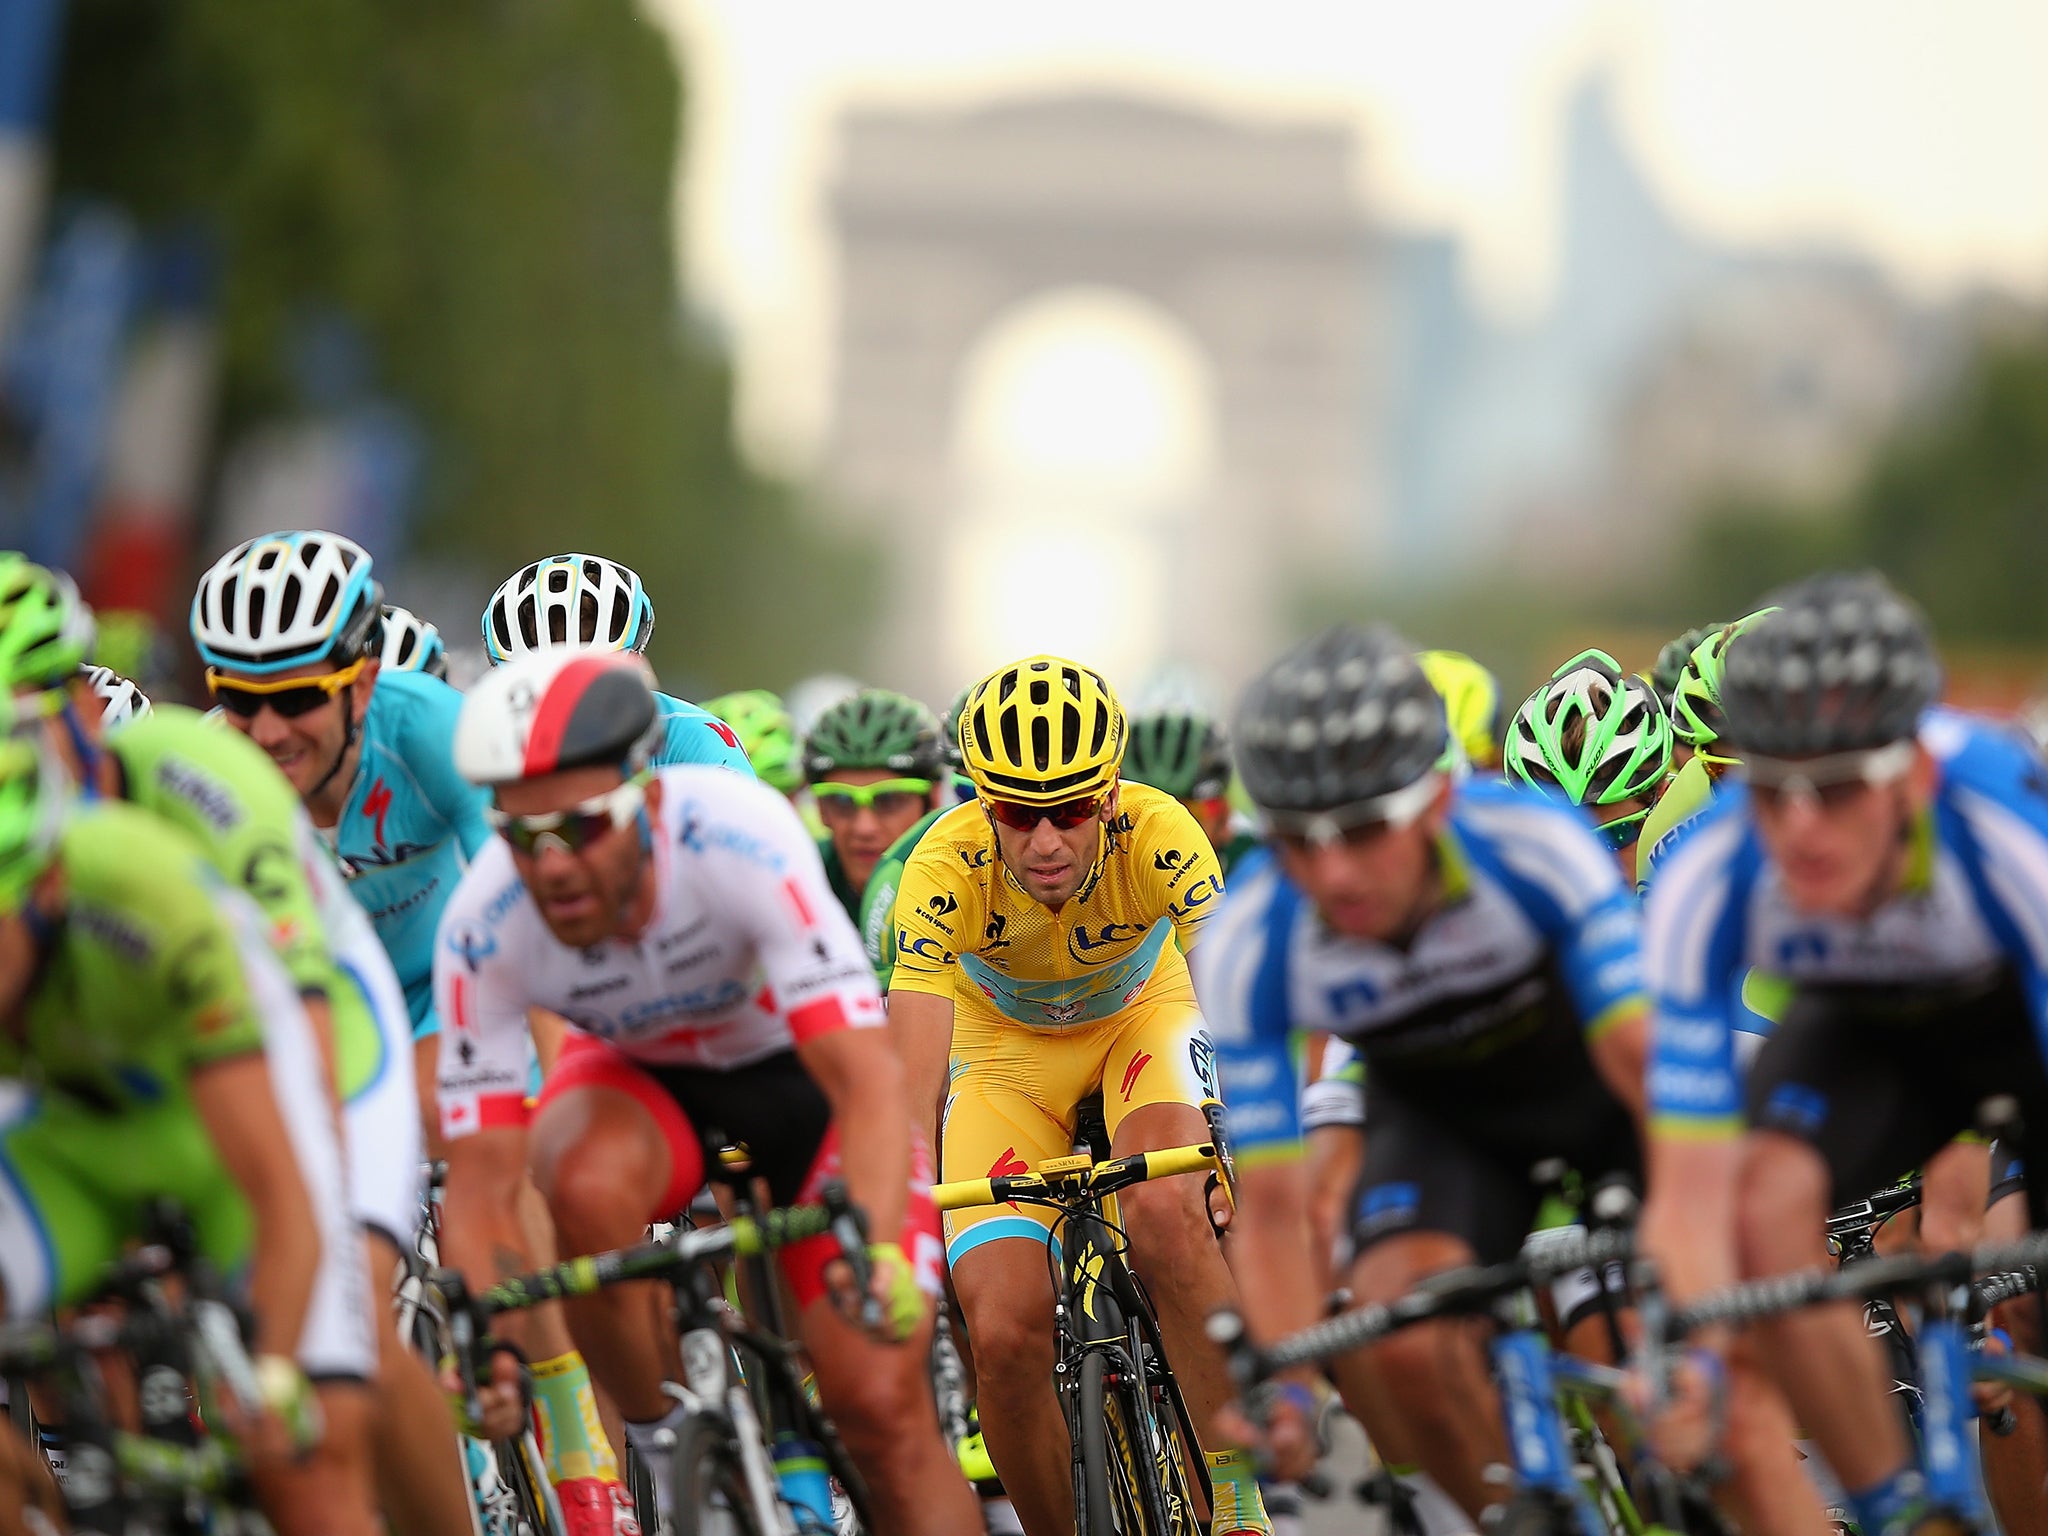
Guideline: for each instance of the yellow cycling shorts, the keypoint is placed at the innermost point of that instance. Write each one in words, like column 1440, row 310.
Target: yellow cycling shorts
column 1013, row 1091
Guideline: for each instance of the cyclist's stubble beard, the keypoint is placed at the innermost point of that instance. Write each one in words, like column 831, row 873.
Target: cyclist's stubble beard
column 617, row 870
column 1844, row 863
column 1382, row 891
column 1074, row 852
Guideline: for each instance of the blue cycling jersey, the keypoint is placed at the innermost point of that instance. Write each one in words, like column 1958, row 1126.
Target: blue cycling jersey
column 1532, row 900
column 1974, row 902
column 693, row 735
column 410, row 826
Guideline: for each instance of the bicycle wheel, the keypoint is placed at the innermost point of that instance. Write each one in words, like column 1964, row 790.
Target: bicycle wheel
column 1120, row 1490
column 523, row 1476
column 710, row 1485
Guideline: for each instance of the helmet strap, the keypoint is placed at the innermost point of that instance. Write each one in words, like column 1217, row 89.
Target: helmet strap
column 348, row 741
column 82, row 745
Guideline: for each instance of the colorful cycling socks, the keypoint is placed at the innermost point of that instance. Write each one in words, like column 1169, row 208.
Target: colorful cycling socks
column 1236, row 1484
column 654, row 1443
column 571, row 1435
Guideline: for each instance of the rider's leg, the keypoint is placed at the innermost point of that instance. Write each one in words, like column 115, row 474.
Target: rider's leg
column 1006, row 1299
column 328, row 1493
column 1428, row 1385
column 880, row 1398
column 1822, row 1358
column 2016, row 1465
column 1769, row 1490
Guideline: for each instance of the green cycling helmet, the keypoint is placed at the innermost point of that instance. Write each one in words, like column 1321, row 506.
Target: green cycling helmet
column 1178, row 751
column 31, row 812
column 1695, row 704
column 46, row 629
column 766, row 733
column 1671, row 660
column 1471, row 704
column 1593, row 732
column 875, row 729
column 954, row 760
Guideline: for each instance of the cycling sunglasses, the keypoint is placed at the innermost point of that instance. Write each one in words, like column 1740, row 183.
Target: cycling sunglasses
column 1357, row 824
column 572, row 830
column 890, row 797
column 1065, row 815
column 1829, row 782
column 1625, row 831
column 291, row 698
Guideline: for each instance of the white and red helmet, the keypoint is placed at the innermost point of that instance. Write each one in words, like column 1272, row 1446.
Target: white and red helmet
column 555, row 710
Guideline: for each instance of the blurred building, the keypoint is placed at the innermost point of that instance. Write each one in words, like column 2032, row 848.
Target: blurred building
column 1247, row 238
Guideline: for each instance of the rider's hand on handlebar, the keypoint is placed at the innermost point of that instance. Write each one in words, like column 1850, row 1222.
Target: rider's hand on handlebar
column 501, row 1397
column 894, row 1285
column 1685, row 1432
column 1289, row 1442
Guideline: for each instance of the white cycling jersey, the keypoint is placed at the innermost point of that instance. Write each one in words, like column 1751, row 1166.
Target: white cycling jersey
column 746, row 954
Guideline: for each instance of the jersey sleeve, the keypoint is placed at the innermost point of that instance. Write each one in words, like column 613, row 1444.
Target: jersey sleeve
column 481, row 1000
column 768, row 873
column 1693, row 947
column 1241, row 977
column 878, row 918
column 206, row 991
column 430, row 757
column 1994, row 805
column 937, row 902
column 1185, row 875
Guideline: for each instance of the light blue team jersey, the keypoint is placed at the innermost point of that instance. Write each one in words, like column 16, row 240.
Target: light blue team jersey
column 1974, row 903
column 694, row 735
column 1532, row 900
column 410, row 827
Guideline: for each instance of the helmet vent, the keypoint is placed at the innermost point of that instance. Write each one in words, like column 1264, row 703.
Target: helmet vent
column 1041, row 743
column 258, row 601
column 621, row 614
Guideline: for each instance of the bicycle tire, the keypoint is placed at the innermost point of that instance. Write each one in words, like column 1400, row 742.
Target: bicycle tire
column 518, row 1474
column 1117, row 1480
column 709, row 1486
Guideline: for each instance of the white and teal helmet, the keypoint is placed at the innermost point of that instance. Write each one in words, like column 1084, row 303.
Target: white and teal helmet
column 285, row 600
column 584, row 602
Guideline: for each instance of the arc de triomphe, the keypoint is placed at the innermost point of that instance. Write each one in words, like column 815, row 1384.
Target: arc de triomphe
column 1249, row 236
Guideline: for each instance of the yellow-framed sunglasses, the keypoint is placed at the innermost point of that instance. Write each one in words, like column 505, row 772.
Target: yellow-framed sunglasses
column 291, row 697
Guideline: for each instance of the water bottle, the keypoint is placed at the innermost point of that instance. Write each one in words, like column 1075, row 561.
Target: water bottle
column 806, row 1486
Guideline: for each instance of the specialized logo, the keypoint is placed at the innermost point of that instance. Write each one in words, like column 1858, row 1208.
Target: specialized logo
column 1138, row 1064
column 724, row 733
column 1008, row 1164
column 474, row 942
column 1166, row 858
column 376, row 805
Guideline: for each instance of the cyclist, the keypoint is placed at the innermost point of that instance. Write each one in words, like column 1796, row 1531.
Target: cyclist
column 1699, row 757
column 411, row 644
column 150, row 1047
column 1598, row 738
column 1671, row 660
column 288, row 627
column 1039, row 939
column 1471, row 705
column 876, row 767
column 1884, row 862
column 1182, row 753
column 589, row 602
column 680, row 920
column 767, row 734
column 1477, row 945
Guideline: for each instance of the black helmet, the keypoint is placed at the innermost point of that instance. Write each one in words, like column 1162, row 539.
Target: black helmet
column 1845, row 665
column 1179, row 751
column 875, row 729
column 1346, row 717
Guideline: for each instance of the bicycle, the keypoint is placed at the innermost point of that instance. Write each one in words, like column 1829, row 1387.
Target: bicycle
column 185, row 1338
column 1137, row 1461
column 742, row 1384
column 510, row 1492
column 1566, row 1476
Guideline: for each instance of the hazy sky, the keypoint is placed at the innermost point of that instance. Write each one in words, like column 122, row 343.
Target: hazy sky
column 1913, row 130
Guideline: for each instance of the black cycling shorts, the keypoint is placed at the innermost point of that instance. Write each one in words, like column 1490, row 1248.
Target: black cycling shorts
column 1452, row 1149
column 1879, row 1079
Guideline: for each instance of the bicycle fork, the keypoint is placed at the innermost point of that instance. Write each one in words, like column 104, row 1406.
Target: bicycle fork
column 1538, row 1448
column 1947, row 1369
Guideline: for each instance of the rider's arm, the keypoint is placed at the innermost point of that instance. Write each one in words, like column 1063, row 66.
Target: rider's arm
column 1693, row 962
column 234, row 1099
column 934, row 906
column 862, row 1078
column 922, row 1026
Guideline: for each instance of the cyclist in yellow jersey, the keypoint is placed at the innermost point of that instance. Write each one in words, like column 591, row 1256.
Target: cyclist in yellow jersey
column 1040, row 932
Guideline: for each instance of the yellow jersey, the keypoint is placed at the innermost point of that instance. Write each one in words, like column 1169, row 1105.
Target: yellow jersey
column 960, row 914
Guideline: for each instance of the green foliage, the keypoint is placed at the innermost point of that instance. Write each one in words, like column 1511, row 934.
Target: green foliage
column 1954, row 508
column 485, row 187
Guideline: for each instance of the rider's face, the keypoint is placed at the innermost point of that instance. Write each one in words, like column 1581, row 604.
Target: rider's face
column 1050, row 862
column 585, row 894
column 305, row 747
column 1374, row 882
column 1842, row 853
column 861, row 834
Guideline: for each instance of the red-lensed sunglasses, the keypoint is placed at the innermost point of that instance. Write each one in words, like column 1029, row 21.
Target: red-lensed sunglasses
column 1066, row 815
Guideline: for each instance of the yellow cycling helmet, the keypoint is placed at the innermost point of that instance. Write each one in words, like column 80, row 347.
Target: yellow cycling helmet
column 1042, row 730
column 1471, row 703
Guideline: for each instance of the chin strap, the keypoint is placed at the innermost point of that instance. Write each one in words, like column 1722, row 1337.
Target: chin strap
column 348, row 742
